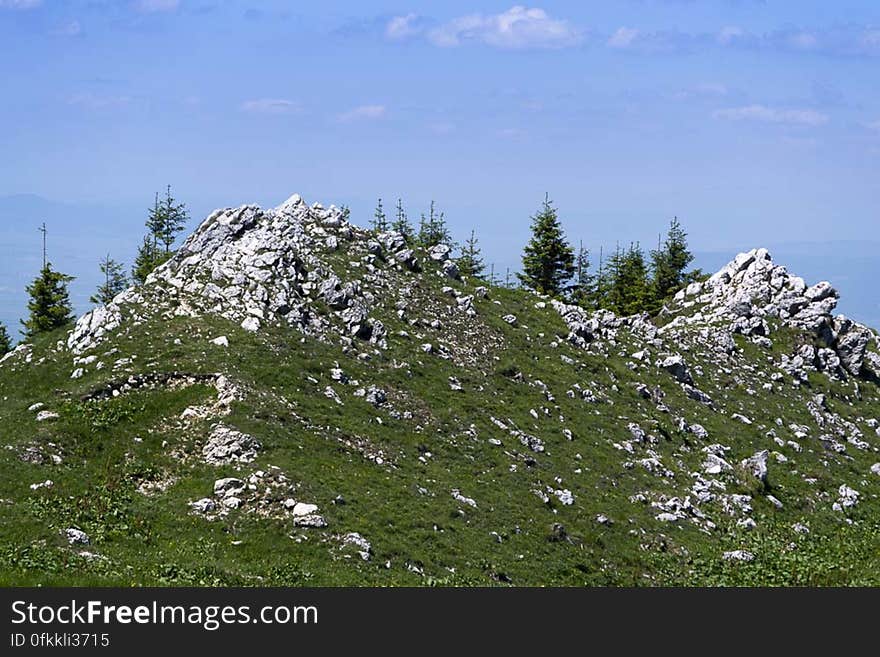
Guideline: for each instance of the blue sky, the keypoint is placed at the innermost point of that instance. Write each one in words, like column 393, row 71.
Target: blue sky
column 754, row 122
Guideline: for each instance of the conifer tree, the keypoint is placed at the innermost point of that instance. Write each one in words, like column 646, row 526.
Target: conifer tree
column 115, row 281
column 603, row 281
column 433, row 229
column 669, row 263
column 171, row 221
column 493, row 280
column 155, row 222
column 584, row 289
column 49, row 305
column 380, row 222
column 470, row 263
column 5, row 341
column 165, row 220
column 548, row 261
column 149, row 256
column 628, row 292
column 402, row 224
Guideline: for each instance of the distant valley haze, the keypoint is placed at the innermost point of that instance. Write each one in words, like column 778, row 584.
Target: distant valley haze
column 80, row 234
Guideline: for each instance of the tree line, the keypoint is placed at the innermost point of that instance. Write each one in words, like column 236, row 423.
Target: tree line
column 49, row 305
column 627, row 282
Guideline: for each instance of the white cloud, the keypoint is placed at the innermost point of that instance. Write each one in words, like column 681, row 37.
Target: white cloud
column 403, row 27
column 518, row 27
column 20, row 4
column 802, row 40
column 364, row 112
column 270, row 106
column 664, row 41
column 729, row 35
column 623, row 37
column 806, row 117
column 442, row 128
column 849, row 40
column 704, row 90
column 875, row 126
column 153, row 6
column 95, row 102
column 72, row 28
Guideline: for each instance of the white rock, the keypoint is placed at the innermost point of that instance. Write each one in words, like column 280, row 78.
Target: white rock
column 251, row 324
column 76, row 536
column 303, row 509
column 204, row 505
column 456, row 494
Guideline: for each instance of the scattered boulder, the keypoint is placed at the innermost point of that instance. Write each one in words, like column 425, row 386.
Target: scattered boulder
column 76, row 536
column 227, row 445
column 676, row 366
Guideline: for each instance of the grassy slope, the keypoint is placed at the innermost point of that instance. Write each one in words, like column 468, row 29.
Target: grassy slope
column 419, row 533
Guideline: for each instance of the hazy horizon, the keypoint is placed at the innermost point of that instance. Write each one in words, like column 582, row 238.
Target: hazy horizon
column 756, row 123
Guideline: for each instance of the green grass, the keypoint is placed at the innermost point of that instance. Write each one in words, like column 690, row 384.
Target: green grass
column 420, row 535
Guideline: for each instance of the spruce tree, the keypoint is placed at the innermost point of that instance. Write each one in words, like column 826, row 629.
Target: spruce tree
column 470, row 263
column 548, row 261
column 669, row 263
column 115, row 281
column 5, row 341
column 149, row 256
column 155, row 222
column 172, row 220
column 603, row 282
column 628, row 293
column 433, row 229
column 380, row 222
column 49, row 305
column 583, row 291
column 401, row 223
column 165, row 220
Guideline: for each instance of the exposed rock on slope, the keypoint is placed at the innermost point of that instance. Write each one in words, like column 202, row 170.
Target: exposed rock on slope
column 340, row 393
column 744, row 297
column 255, row 266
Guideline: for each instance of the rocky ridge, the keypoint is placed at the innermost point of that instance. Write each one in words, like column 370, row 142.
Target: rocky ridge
column 744, row 394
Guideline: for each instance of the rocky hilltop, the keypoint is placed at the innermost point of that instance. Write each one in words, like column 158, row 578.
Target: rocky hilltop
column 295, row 399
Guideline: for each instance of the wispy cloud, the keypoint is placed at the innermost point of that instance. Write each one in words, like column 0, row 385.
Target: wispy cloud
column 97, row 102
column 363, row 113
column 271, row 106
column 154, row 6
column 73, row 28
column 624, row 37
column 875, row 126
column 853, row 40
column 762, row 113
column 517, row 28
column 705, row 90
column 404, row 27
column 20, row 4
column 631, row 38
column 511, row 133
column 442, row 128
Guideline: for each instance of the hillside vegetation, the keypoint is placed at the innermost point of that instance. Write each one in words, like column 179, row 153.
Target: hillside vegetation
column 293, row 400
